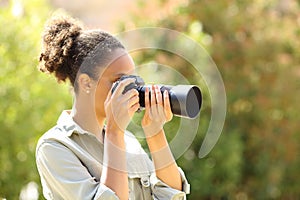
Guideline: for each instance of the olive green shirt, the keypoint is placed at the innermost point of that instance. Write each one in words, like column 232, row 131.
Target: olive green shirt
column 69, row 161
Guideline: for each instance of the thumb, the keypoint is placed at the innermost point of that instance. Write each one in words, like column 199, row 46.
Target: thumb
column 110, row 92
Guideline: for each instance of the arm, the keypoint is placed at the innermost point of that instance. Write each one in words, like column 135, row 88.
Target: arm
column 158, row 112
column 119, row 109
column 165, row 166
column 114, row 174
column 64, row 176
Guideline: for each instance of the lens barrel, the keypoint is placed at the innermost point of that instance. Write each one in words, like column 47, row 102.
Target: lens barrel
column 185, row 100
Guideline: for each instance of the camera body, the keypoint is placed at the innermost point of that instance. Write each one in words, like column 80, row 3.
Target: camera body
column 185, row 100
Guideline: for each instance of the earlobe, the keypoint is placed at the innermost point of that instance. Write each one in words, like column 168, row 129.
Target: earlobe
column 85, row 83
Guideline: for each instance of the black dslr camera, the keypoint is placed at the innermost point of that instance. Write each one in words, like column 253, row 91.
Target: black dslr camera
column 185, row 100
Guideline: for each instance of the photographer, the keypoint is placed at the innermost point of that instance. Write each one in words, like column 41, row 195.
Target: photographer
column 89, row 154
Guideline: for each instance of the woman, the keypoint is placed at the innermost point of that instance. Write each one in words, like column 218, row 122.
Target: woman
column 89, row 154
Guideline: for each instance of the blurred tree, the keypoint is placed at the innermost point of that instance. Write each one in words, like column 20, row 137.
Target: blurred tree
column 255, row 45
column 30, row 101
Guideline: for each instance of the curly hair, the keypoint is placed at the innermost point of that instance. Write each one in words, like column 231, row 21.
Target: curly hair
column 68, row 49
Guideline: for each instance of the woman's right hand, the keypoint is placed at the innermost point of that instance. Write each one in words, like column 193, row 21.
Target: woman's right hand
column 120, row 108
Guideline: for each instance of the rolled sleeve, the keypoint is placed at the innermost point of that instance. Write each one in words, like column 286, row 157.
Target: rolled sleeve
column 105, row 193
column 162, row 191
column 64, row 177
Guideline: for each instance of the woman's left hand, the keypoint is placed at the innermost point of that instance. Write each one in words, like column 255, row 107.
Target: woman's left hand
column 157, row 111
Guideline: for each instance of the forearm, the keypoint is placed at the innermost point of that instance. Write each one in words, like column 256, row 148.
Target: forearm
column 114, row 173
column 165, row 166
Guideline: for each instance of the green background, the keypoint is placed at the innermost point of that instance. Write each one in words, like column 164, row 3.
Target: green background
column 255, row 45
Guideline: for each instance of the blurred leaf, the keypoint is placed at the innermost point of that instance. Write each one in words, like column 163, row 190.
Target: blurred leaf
column 30, row 100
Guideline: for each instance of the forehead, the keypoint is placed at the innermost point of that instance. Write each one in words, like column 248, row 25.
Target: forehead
column 121, row 64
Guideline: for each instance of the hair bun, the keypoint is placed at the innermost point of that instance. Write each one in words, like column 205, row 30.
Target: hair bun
column 59, row 38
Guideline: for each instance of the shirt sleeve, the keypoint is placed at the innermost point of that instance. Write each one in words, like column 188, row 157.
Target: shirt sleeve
column 64, row 177
column 162, row 191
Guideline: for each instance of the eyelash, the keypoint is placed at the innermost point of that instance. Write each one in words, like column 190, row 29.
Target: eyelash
column 116, row 79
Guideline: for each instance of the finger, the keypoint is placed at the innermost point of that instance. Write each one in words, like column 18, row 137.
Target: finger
column 167, row 106
column 128, row 95
column 133, row 100
column 152, row 96
column 158, row 96
column 134, row 108
column 122, row 84
column 153, row 109
column 159, row 105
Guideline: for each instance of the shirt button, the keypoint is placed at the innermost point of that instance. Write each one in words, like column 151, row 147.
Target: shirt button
column 145, row 181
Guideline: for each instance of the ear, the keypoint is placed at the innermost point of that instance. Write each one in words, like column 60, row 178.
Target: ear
column 85, row 83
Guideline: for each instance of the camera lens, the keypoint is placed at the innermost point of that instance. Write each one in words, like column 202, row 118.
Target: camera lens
column 185, row 100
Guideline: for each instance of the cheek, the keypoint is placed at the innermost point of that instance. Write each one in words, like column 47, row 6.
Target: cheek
column 101, row 93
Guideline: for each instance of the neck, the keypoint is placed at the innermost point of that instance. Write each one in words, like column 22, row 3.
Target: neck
column 85, row 116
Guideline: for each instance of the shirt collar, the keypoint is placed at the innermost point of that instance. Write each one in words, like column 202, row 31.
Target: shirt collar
column 66, row 122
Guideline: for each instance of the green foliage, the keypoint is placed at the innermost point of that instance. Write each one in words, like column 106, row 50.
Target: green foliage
column 30, row 100
column 255, row 45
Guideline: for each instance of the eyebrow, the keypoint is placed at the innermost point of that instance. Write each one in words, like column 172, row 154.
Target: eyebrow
column 120, row 74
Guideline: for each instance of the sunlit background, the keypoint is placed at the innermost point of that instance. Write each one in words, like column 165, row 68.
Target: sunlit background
column 254, row 43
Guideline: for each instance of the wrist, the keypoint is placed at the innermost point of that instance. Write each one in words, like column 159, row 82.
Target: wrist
column 114, row 137
column 112, row 127
column 114, row 132
column 152, row 130
column 157, row 141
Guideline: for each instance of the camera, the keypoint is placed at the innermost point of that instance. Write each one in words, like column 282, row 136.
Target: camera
column 185, row 100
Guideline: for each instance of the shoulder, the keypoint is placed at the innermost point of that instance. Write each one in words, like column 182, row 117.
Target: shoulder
column 53, row 137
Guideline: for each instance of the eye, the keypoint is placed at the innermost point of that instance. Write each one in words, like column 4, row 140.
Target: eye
column 117, row 77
